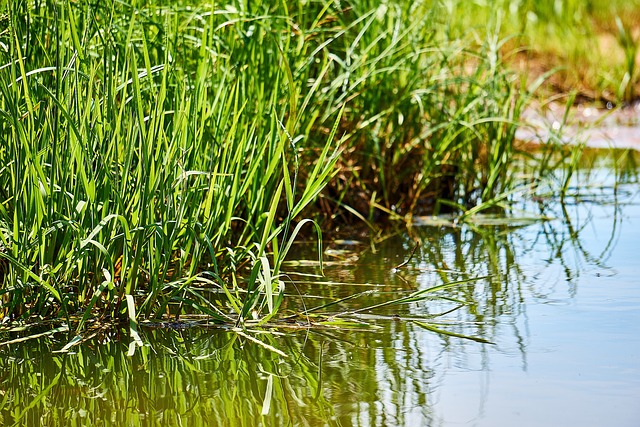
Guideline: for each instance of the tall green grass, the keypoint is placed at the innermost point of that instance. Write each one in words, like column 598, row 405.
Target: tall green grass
column 431, row 116
column 146, row 152
column 156, row 158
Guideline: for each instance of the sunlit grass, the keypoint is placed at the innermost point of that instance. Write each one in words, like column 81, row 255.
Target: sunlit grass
column 144, row 161
column 157, row 160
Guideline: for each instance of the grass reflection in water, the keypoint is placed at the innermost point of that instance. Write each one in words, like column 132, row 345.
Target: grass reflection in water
column 385, row 371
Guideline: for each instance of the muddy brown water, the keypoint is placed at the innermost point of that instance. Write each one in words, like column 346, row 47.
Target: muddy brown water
column 558, row 302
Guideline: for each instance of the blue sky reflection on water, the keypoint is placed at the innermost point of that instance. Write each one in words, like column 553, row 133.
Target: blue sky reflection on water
column 582, row 361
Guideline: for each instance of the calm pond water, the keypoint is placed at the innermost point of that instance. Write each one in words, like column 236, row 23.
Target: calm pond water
column 558, row 300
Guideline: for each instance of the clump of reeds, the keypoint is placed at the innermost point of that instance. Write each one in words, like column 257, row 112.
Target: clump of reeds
column 148, row 153
column 431, row 119
column 155, row 159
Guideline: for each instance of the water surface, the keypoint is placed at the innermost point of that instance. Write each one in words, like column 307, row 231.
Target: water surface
column 559, row 305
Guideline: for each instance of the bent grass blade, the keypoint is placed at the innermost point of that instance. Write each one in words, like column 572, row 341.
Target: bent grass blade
column 433, row 328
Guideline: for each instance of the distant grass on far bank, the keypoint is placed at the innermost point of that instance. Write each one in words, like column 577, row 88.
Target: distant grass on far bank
column 592, row 44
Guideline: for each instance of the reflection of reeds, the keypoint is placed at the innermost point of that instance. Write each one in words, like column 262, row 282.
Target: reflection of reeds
column 336, row 374
column 195, row 377
column 202, row 377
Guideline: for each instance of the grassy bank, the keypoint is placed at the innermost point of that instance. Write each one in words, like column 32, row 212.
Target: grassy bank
column 158, row 158
column 591, row 45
